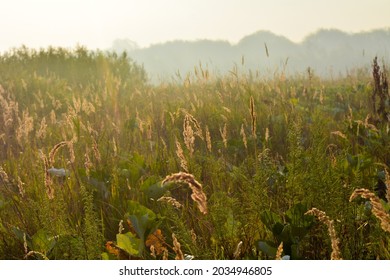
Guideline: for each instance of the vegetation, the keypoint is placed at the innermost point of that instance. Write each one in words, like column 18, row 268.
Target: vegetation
column 95, row 163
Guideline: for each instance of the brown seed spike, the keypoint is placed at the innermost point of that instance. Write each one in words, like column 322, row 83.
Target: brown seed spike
column 336, row 255
column 377, row 208
column 54, row 151
column 176, row 248
column 197, row 191
column 253, row 116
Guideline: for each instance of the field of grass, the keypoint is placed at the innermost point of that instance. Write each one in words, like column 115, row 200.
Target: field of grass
column 96, row 163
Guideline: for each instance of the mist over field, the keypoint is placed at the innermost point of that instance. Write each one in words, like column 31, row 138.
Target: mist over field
column 329, row 52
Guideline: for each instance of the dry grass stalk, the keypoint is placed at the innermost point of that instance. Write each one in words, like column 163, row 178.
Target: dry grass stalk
column 53, row 117
column 41, row 133
column 72, row 156
column 25, row 244
column 54, row 151
column 176, row 248
column 242, row 133
column 279, row 252
column 165, row 254
column 22, row 192
column 237, row 252
column 139, row 121
column 266, row 134
column 321, row 215
column 114, row 147
column 198, row 128
column 253, row 116
column 152, row 251
column 149, row 130
column 223, row 133
column 10, row 110
column 87, row 162
column 171, row 201
column 26, row 125
column 193, row 236
column 208, row 139
column 47, row 178
column 339, row 133
column 3, row 175
column 87, row 107
column 387, row 182
column 76, row 104
column 36, row 253
column 165, row 147
column 121, row 228
column 96, row 151
column 180, row 155
column 197, row 190
column 188, row 134
column 377, row 207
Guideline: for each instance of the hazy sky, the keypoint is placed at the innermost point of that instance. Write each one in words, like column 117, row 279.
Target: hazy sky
column 95, row 24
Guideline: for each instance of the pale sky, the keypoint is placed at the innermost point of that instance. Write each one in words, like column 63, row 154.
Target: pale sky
column 96, row 23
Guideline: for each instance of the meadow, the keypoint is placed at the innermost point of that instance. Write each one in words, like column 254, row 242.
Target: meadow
column 98, row 163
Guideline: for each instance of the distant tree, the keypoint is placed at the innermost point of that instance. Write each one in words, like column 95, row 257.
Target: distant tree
column 124, row 45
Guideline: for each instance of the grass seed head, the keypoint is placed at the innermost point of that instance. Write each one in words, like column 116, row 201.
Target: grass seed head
column 197, row 190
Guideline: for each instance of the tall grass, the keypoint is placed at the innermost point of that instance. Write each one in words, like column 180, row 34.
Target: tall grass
column 87, row 143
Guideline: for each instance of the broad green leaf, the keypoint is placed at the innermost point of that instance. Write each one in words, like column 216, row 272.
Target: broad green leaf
column 143, row 220
column 129, row 243
column 42, row 242
column 269, row 219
